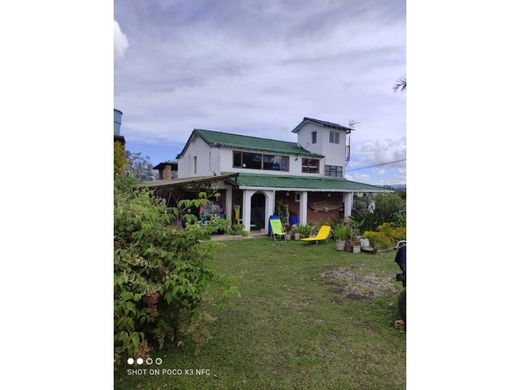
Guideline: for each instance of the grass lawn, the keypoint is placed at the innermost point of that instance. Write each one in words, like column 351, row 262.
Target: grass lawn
column 294, row 326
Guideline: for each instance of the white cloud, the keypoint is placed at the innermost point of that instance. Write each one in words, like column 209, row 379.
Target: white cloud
column 381, row 172
column 120, row 41
column 380, row 151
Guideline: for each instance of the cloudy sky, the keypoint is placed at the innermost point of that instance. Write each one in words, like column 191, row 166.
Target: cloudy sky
column 257, row 68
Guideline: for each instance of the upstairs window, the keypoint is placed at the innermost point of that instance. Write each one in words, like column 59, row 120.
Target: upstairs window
column 310, row 165
column 334, row 137
column 194, row 164
column 252, row 160
column 275, row 163
column 314, row 135
column 266, row 162
column 333, row 170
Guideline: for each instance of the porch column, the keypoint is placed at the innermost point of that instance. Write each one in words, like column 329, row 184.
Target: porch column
column 303, row 208
column 246, row 209
column 269, row 207
column 229, row 203
column 348, row 200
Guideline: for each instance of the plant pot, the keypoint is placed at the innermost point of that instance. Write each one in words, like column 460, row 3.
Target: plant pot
column 287, row 236
column 356, row 249
column 297, row 236
column 340, row 245
column 348, row 247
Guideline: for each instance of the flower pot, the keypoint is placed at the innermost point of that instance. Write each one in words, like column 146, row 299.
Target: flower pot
column 287, row 236
column 348, row 247
column 340, row 245
column 356, row 249
column 297, row 236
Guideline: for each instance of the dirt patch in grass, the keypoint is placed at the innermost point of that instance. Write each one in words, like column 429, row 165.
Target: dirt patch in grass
column 353, row 285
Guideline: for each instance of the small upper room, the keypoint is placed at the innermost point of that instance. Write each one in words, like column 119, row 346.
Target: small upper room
column 328, row 139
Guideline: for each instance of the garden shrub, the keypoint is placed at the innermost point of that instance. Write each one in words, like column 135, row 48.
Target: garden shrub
column 160, row 272
column 304, row 230
column 386, row 236
column 119, row 158
column 371, row 211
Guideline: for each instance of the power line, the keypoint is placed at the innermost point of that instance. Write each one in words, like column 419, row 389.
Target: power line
column 377, row 165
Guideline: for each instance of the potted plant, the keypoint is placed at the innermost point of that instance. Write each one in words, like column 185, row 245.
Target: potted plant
column 305, row 230
column 356, row 245
column 340, row 235
column 297, row 233
column 288, row 232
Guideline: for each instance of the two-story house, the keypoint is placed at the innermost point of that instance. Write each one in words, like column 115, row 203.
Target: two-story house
column 306, row 176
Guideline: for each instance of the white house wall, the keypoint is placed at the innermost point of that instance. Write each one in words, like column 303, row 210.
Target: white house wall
column 334, row 153
column 205, row 164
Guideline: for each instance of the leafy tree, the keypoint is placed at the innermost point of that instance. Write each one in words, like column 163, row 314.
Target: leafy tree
column 119, row 158
column 161, row 273
column 139, row 166
column 373, row 210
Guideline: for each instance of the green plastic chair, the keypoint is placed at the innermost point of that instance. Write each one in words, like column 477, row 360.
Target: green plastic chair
column 277, row 229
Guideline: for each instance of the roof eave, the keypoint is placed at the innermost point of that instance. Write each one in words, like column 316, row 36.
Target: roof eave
column 305, row 120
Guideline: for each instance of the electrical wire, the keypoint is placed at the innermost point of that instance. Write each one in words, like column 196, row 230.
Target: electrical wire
column 377, row 165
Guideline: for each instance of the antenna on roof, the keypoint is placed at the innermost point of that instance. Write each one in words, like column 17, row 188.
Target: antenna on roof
column 351, row 125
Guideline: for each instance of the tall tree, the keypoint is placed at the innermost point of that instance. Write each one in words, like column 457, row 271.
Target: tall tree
column 139, row 166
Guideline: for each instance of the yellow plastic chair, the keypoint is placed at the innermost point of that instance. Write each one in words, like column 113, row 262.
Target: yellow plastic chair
column 322, row 235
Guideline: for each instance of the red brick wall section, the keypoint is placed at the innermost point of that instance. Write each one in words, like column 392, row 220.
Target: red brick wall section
column 314, row 216
column 167, row 172
column 324, row 216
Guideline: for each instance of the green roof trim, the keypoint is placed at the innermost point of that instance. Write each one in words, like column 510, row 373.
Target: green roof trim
column 246, row 142
column 311, row 183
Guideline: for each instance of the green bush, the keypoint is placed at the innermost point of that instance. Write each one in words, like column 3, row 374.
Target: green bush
column 304, row 230
column 371, row 211
column 238, row 229
column 386, row 236
column 341, row 232
column 160, row 272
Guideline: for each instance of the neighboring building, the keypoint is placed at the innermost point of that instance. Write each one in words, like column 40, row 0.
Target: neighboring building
column 167, row 170
column 117, row 126
column 119, row 145
column 307, row 176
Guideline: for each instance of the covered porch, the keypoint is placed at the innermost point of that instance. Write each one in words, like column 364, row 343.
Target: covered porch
column 302, row 200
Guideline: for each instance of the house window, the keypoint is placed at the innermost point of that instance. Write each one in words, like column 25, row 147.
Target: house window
column 334, row 137
column 275, row 163
column 194, row 164
column 267, row 162
column 297, row 197
column 237, row 159
column 252, row 160
column 333, row 170
column 310, row 165
column 314, row 135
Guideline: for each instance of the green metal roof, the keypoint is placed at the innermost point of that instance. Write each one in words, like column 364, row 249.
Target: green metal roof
column 320, row 122
column 237, row 141
column 311, row 183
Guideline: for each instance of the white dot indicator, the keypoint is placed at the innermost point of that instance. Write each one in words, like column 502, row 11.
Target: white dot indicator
column 130, row 361
column 158, row 361
column 139, row 361
column 149, row 361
